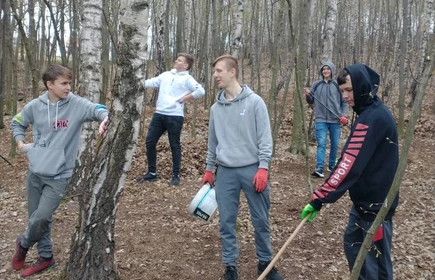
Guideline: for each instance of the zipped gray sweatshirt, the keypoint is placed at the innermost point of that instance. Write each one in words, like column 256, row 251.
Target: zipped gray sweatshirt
column 56, row 130
column 239, row 131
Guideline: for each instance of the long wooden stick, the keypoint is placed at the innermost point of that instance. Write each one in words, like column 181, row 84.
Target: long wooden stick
column 275, row 259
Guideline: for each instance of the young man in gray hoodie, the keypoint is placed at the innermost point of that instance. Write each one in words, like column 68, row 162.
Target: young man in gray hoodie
column 240, row 145
column 56, row 118
column 330, row 110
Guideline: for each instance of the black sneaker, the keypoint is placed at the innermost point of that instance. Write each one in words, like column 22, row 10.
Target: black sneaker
column 331, row 168
column 273, row 273
column 148, row 177
column 175, row 180
column 318, row 173
column 231, row 273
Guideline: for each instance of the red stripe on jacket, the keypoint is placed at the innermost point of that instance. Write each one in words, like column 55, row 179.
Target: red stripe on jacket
column 343, row 167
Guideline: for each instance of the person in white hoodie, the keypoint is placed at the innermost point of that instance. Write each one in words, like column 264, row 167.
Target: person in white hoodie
column 176, row 87
column 240, row 145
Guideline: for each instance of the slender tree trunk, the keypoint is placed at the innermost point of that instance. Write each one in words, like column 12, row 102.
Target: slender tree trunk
column 297, row 145
column 329, row 33
column 59, row 37
column 4, row 25
column 425, row 24
column 402, row 70
column 42, row 37
column 179, row 41
column 29, row 53
column 106, row 172
column 352, row 5
column 237, row 30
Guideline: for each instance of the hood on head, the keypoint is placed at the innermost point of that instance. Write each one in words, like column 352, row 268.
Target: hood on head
column 365, row 84
column 331, row 66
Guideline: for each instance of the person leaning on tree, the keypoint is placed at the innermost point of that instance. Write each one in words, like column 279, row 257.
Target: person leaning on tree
column 330, row 110
column 240, row 145
column 175, row 88
column 366, row 168
column 56, row 118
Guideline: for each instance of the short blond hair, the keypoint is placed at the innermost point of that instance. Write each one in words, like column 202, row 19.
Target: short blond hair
column 230, row 61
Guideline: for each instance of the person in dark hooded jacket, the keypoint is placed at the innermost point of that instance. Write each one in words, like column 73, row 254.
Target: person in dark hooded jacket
column 366, row 168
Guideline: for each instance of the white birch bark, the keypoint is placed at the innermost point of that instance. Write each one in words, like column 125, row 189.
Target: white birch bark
column 237, row 31
column 92, row 249
column 90, row 75
column 425, row 30
column 329, row 32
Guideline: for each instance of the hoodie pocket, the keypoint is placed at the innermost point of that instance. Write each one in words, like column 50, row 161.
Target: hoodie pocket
column 47, row 162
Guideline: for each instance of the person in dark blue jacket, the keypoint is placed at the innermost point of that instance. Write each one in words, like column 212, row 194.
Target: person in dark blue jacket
column 366, row 168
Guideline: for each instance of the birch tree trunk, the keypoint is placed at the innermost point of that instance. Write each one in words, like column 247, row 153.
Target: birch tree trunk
column 90, row 77
column 92, row 253
column 329, row 32
column 159, row 36
column 425, row 27
column 353, row 7
column 237, row 31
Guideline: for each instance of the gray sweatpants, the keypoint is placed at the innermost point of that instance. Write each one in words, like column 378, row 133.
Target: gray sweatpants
column 229, row 182
column 43, row 198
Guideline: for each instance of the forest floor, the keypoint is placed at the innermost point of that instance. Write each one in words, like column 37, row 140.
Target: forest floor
column 156, row 237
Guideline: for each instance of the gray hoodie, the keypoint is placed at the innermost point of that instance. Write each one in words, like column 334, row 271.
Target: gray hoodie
column 56, row 130
column 239, row 131
column 330, row 96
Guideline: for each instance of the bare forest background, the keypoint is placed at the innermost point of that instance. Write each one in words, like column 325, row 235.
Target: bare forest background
column 111, row 46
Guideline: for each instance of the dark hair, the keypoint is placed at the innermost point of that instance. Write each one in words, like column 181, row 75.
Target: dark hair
column 230, row 61
column 54, row 71
column 341, row 78
column 188, row 58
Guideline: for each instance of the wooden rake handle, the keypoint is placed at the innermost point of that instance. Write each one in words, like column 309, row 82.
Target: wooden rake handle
column 275, row 259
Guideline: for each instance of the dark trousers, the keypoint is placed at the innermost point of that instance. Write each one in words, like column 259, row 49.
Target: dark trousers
column 377, row 265
column 159, row 124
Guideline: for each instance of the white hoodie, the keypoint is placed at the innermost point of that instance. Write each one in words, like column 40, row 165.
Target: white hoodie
column 172, row 86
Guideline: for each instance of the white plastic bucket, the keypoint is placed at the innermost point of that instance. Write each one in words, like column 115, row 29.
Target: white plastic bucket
column 204, row 203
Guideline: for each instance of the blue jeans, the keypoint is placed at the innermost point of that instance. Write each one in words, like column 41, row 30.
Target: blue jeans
column 377, row 264
column 322, row 129
column 159, row 124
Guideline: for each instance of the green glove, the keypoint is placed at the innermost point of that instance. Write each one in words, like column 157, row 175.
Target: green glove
column 309, row 210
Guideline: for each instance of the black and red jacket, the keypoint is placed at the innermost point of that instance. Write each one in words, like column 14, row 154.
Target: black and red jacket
column 370, row 156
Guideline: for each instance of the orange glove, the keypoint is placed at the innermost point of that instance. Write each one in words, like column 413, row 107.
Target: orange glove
column 260, row 180
column 343, row 120
column 208, row 178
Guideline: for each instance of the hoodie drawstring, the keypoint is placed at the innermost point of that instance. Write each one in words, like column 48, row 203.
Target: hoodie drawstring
column 57, row 113
column 48, row 113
